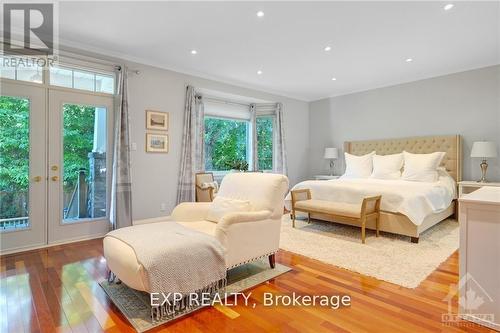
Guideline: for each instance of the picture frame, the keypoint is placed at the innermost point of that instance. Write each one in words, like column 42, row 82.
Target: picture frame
column 157, row 142
column 156, row 120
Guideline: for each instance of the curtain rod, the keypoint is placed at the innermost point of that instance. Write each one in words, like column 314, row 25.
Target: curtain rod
column 92, row 59
column 133, row 71
column 225, row 101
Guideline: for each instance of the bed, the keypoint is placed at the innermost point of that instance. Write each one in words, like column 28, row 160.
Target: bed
column 407, row 208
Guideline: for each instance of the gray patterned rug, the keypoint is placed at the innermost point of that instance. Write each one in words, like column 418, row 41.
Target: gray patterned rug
column 135, row 304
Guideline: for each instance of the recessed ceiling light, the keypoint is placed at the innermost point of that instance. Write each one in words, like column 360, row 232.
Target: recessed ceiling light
column 260, row 13
column 259, row 72
column 409, row 59
column 327, row 48
column 448, row 6
column 334, row 79
column 194, row 52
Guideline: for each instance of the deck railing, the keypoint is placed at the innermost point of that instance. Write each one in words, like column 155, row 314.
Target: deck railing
column 14, row 223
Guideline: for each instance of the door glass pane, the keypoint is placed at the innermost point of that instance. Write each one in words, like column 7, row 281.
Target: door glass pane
column 84, row 162
column 14, row 163
column 265, row 142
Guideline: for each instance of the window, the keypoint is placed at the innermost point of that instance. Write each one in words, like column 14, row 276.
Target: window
column 81, row 79
column 68, row 76
column 21, row 69
column 265, row 142
column 228, row 138
column 226, row 144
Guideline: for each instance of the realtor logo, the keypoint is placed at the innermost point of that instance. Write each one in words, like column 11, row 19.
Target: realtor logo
column 28, row 28
column 471, row 297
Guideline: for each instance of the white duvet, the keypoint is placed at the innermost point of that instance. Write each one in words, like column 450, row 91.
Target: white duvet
column 416, row 200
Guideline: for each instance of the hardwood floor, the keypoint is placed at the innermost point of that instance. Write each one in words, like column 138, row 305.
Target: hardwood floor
column 56, row 290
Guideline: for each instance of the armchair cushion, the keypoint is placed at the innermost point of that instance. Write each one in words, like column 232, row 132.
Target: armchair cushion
column 207, row 185
column 222, row 206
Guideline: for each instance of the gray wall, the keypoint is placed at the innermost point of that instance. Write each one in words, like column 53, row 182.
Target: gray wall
column 154, row 176
column 466, row 103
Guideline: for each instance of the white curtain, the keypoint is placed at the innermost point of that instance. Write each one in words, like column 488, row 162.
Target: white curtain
column 279, row 156
column 279, row 149
column 121, row 187
column 192, row 157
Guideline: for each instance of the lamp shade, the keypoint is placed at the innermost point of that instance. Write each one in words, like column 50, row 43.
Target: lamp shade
column 484, row 149
column 331, row 153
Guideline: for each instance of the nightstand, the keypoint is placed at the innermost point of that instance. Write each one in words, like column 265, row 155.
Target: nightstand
column 469, row 186
column 325, row 177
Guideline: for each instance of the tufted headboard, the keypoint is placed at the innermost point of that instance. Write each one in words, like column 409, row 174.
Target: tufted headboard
column 419, row 145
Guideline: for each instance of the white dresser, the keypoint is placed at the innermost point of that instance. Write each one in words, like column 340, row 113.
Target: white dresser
column 479, row 285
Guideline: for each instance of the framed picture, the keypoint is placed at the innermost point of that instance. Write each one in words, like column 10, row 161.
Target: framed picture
column 157, row 120
column 156, row 143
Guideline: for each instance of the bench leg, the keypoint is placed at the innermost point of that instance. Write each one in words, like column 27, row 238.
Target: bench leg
column 293, row 218
column 363, row 235
column 414, row 240
column 308, row 218
column 272, row 260
column 377, row 225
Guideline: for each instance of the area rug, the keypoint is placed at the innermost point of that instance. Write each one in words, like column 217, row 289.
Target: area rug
column 135, row 304
column 389, row 257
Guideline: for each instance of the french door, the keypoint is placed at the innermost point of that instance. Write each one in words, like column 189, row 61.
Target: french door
column 55, row 165
column 78, row 165
column 23, row 185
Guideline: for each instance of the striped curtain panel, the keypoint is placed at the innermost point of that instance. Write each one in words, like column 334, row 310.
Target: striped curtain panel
column 279, row 149
column 121, row 187
column 192, row 159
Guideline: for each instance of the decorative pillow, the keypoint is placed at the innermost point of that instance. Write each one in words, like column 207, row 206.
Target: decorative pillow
column 422, row 167
column 358, row 166
column 213, row 185
column 222, row 206
column 387, row 166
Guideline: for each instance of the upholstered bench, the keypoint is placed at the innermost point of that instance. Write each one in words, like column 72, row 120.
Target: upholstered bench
column 369, row 208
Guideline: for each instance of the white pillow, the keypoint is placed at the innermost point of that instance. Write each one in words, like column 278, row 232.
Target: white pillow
column 358, row 166
column 222, row 206
column 387, row 166
column 422, row 167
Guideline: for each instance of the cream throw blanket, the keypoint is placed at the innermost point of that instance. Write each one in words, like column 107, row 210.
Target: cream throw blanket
column 176, row 259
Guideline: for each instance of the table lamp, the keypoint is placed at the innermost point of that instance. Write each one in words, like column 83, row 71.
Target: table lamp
column 331, row 154
column 484, row 150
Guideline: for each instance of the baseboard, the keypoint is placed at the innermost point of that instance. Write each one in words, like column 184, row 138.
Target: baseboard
column 43, row 246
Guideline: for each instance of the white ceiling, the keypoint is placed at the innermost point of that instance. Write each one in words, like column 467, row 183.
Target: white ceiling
column 370, row 40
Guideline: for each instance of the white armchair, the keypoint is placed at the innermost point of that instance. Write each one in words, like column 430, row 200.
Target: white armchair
column 245, row 235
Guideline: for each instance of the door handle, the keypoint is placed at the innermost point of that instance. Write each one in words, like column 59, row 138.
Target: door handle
column 37, row 179
column 54, row 168
column 55, row 178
